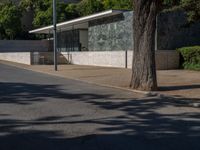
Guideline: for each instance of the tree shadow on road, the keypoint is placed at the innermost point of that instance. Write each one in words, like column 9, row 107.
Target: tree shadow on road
column 157, row 122
column 179, row 87
column 25, row 94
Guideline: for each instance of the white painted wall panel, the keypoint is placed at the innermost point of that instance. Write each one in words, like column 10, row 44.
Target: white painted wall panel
column 18, row 57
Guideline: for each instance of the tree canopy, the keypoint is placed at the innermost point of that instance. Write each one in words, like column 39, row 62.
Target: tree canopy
column 43, row 9
column 86, row 7
column 10, row 20
column 11, row 13
column 118, row 4
column 192, row 8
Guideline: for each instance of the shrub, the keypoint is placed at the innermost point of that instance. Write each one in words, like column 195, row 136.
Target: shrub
column 191, row 57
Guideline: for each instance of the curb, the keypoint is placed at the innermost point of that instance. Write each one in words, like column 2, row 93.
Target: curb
column 84, row 81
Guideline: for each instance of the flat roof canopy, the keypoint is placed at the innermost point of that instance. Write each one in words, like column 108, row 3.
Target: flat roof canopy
column 79, row 23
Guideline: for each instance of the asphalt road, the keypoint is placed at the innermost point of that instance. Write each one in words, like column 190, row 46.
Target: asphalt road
column 43, row 112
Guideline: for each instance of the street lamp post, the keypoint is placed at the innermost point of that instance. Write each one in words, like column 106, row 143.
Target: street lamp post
column 55, row 35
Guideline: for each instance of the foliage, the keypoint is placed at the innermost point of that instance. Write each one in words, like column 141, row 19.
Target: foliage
column 25, row 4
column 118, row 4
column 43, row 11
column 71, row 11
column 171, row 3
column 191, row 56
column 43, row 8
column 10, row 20
column 87, row 7
column 192, row 8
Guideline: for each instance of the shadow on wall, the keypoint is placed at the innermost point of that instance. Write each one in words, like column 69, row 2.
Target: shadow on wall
column 47, row 58
column 141, row 125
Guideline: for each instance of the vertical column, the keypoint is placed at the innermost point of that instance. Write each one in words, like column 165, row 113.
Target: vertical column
column 156, row 34
column 55, row 34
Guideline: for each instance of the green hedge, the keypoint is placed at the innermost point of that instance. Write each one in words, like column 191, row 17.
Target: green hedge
column 191, row 57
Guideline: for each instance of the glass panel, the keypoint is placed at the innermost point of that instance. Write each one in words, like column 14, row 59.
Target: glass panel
column 68, row 41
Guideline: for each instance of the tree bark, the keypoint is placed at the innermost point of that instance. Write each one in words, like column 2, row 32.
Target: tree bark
column 144, row 26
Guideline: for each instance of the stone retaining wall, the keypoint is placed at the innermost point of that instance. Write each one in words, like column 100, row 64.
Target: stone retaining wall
column 165, row 59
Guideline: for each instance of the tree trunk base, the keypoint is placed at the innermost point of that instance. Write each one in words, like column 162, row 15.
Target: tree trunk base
column 144, row 67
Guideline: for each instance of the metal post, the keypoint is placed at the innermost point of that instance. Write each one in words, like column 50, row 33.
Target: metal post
column 156, row 34
column 55, row 35
column 126, row 59
column 73, row 38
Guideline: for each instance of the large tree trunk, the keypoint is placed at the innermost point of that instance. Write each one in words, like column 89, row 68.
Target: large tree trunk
column 144, row 69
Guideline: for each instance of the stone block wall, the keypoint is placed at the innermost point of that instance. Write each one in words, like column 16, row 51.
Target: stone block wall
column 111, row 33
column 116, row 32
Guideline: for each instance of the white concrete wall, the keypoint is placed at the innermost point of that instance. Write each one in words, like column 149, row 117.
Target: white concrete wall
column 106, row 58
column 164, row 59
column 18, row 57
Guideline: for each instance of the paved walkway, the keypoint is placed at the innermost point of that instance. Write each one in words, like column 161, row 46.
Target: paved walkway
column 180, row 83
column 44, row 112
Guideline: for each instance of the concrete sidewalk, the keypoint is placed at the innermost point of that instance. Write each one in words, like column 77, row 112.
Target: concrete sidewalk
column 180, row 83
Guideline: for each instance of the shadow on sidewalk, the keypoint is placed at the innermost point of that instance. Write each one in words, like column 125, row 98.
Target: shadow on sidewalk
column 179, row 87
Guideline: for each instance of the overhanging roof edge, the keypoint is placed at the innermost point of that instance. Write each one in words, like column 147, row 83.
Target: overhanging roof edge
column 77, row 20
